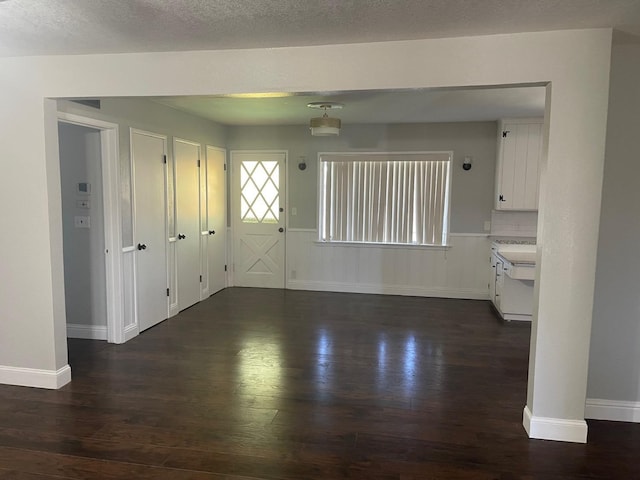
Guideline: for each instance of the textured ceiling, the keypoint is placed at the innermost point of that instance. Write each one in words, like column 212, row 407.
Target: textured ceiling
column 42, row 27
column 34, row 27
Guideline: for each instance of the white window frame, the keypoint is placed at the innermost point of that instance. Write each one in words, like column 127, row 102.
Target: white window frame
column 447, row 200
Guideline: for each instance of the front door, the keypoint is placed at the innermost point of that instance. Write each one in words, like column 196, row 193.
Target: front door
column 148, row 154
column 258, row 218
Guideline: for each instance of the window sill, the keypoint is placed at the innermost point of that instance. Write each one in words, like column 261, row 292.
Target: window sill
column 382, row 245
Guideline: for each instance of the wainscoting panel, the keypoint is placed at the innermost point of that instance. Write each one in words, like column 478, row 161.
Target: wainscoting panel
column 459, row 271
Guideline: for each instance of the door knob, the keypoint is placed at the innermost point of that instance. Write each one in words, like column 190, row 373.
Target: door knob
column 142, row 246
column 181, row 236
column 212, row 232
column 281, row 229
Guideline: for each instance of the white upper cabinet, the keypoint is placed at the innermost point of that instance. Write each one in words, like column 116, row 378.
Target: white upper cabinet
column 517, row 169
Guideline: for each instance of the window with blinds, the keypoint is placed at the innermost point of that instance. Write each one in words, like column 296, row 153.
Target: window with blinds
column 395, row 198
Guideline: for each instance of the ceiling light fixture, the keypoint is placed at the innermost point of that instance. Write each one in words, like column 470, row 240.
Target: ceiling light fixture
column 325, row 126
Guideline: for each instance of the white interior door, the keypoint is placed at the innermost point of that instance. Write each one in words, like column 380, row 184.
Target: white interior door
column 259, row 218
column 215, row 234
column 147, row 153
column 187, row 161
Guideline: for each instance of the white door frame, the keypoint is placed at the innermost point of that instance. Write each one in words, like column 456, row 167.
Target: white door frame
column 232, row 190
column 112, row 220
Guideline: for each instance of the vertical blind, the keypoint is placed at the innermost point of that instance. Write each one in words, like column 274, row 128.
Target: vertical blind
column 385, row 198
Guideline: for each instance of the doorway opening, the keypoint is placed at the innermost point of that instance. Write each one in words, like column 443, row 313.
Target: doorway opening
column 91, row 228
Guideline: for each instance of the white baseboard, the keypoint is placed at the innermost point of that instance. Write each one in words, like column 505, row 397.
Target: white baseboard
column 559, row 429
column 34, row 377
column 89, row 332
column 469, row 294
column 615, row 410
column 516, row 317
column 130, row 331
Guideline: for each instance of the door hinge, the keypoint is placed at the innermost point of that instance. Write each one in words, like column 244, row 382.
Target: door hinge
column 200, row 278
column 225, row 268
column 225, row 166
column 198, row 163
column 505, row 133
column 167, row 292
column 164, row 159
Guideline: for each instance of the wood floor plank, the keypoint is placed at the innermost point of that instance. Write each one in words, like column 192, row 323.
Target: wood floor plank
column 259, row 384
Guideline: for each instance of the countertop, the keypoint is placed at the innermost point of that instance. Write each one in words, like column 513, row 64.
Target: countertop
column 519, row 258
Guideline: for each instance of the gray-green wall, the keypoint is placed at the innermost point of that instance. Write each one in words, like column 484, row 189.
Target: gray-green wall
column 614, row 367
column 144, row 114
column 472, row 191
column 84, row 265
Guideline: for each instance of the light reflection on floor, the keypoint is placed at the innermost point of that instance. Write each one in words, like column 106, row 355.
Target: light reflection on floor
column 410, row 365
column 381, row 376
column 260, row 366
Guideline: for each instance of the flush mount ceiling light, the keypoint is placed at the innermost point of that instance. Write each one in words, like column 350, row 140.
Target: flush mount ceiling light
column 325, row 126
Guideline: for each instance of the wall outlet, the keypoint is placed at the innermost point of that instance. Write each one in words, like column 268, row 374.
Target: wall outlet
column 294, row 211
column 82, row 222
column 83, row 203
column 487, row 226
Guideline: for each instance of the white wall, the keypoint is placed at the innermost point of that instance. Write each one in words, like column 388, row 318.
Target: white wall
column 506, row 223
column 472, row 191
column 84, row 262
column 460, row 271
column 614, row 363
column 573, row 64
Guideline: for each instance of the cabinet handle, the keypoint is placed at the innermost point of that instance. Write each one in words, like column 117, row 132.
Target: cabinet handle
column 501, row 198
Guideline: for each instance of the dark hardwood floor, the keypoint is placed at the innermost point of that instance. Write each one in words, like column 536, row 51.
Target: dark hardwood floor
column 272, row 384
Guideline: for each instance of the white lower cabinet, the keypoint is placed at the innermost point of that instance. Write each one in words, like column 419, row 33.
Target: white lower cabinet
column 512, row 298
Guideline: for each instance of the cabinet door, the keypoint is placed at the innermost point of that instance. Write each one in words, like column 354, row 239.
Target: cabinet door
column 492, row 278
column 498, row 286
column 519, row 164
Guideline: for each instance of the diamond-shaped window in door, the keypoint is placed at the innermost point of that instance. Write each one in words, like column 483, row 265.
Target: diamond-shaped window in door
column 259, row 184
